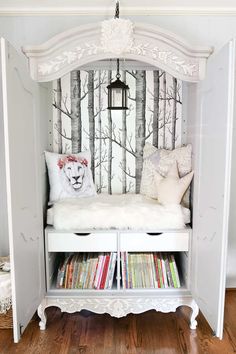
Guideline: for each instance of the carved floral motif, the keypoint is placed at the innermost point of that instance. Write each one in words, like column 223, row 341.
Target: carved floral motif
column 169, row 58
column 117, row 36
column 67, row 58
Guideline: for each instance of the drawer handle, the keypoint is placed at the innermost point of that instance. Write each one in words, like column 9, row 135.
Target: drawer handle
column 81, row 233
column 154, row 233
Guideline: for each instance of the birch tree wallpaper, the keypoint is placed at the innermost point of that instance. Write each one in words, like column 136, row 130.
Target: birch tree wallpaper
column 116, row 138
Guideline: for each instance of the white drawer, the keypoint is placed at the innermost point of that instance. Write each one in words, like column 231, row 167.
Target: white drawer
column 76, row 242
column 166, row 241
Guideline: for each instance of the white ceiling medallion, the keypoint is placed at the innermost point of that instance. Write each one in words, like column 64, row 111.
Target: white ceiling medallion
column 117, row 36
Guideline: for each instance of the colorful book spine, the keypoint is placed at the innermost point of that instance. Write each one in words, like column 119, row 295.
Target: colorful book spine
column 168, row 272
column 59, row 275
column 112, row 271
column 83, row 270
column 152, row 273
column 172, row 271
column 93, row 273
column 80, row 268
column 123, row 269
column 156, row 270
column 132, row 268
column 104, row 273
column 175, row 271
column 71, row 270
column 164, row 271
column 87, row 272
column 160, row 271
column 127, row 269
column 67, row 272
column 108, row 271
column 98, row 272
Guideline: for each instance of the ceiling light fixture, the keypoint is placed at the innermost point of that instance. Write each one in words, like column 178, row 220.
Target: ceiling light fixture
column 117, row 90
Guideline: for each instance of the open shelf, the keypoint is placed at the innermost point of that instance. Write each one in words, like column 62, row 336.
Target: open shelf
column 85, row 271
column 150, row 270
column 81, row 280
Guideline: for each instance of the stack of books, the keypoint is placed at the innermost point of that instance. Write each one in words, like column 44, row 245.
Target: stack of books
column 149, row 270
column 87, row 271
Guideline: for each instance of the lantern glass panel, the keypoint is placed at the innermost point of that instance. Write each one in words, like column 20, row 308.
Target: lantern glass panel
column 117, row 97
column 124, row 98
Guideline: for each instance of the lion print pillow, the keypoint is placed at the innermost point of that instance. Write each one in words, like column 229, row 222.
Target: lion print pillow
column 70, row 175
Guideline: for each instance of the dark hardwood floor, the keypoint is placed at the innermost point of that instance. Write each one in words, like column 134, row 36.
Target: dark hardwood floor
column 151, row 332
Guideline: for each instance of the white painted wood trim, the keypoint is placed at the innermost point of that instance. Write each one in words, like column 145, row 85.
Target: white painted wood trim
column 119, row 306
column 126, row 11
column 70, row 242
column 51, row 229
column 165, row 242
column 82, row 45
column 229, row 141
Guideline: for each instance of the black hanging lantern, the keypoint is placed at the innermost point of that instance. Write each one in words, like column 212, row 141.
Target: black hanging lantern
column 117, row 92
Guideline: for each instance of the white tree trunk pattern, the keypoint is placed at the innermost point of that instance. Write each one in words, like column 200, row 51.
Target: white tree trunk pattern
column 76, row 126
column 91, row 118
column 164, row 111
column 59, row 113
column 123, row 142
column 109, row 116
column 157, row 124
column 156, row 93
column 100, row 133
column 140, row 130
column 174, row 113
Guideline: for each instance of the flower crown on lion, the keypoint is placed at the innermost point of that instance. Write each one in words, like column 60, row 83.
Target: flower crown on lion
column 70, row 158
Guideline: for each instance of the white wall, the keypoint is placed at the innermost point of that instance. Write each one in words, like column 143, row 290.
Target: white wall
column 201, row 30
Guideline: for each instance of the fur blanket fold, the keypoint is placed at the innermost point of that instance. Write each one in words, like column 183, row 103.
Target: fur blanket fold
column 124, row 212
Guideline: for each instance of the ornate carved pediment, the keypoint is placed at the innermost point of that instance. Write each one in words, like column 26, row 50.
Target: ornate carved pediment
column 85, row 44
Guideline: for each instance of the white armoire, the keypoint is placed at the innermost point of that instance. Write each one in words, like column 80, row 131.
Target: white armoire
column 26, row 114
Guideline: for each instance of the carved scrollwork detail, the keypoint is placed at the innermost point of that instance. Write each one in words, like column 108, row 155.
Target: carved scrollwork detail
column 118, row 306
column 170, row 58
column 117, row 36
column 68, row 57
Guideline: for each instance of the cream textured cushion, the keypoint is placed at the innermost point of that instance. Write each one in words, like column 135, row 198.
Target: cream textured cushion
column 70, row 176
column 170, row 189
column 160, row 160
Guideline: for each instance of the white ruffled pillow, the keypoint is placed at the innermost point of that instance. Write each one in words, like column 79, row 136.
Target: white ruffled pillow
column 69, row 175
column 170, row 189
column 161, row 160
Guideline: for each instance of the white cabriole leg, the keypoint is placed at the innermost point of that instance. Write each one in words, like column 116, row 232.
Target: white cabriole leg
column 195, row 311
column 42, row 315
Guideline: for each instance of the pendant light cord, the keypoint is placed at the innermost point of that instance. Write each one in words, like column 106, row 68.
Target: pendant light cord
column 118, row 69
column 117, row 11
column 117, row 15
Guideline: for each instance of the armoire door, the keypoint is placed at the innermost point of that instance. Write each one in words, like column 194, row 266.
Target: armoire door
column 212, row 186
column 20, row 106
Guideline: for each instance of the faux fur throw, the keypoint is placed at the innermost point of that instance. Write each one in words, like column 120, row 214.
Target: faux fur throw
column 126, row 211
